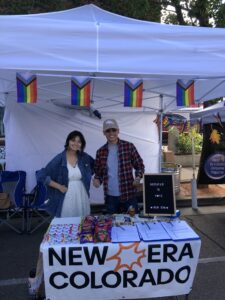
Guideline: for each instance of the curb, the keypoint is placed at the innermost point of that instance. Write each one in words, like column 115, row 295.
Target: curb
column 203, row 201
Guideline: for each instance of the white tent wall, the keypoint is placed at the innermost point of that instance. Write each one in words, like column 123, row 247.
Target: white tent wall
column 36, row 133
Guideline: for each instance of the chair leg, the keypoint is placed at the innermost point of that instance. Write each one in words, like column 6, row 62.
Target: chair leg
column 29, row 220
column 7, row 223
column 39, row 225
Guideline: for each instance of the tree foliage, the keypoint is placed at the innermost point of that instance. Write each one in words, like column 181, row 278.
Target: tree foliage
column 141, row 9
column 205, row 13
column 184, row 142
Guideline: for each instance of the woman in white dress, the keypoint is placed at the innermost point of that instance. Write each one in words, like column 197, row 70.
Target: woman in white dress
column 76, row 202
column 67, row 177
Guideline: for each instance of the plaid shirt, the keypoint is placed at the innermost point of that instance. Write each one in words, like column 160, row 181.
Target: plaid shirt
column 128, row 159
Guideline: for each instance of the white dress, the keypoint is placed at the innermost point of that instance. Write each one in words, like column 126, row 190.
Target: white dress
column 76, row 202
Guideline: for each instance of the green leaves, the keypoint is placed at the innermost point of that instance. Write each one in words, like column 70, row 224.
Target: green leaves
column 142, row 9
column 184, row 143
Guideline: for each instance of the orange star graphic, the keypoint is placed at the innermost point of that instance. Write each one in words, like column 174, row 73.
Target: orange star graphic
column 124, row 248
column 215, row 137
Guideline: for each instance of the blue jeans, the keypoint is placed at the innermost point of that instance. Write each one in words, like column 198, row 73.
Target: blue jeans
column 115, row 206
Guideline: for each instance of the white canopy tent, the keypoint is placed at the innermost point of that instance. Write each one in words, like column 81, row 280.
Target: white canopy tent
column 88, row 41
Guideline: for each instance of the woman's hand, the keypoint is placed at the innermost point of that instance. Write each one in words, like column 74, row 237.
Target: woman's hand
column 62, row 188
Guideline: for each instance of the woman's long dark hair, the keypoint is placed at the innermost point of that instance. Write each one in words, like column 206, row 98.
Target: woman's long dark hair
column 73, row 135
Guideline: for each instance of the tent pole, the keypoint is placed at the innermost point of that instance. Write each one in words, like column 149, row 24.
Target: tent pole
column 193, row 181
column 160, row 132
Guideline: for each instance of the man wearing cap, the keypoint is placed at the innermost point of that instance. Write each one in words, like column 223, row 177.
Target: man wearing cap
column 114, row 166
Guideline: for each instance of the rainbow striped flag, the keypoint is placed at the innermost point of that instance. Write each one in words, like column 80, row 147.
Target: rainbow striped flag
column 26, row 87
column 81, row 91
column 185, row 93
column 133, row 91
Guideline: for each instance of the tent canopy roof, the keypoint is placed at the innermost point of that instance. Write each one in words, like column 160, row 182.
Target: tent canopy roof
column 90, row 41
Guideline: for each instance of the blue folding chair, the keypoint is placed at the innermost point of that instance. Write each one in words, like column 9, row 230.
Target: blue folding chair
column 36, row 215
column 13, row 183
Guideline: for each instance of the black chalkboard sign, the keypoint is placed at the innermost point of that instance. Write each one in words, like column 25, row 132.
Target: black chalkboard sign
column 158, row 195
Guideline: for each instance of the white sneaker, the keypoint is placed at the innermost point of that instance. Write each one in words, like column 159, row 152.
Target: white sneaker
column 31, row 286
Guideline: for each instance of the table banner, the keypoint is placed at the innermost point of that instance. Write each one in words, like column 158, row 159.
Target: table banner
column 119, row 271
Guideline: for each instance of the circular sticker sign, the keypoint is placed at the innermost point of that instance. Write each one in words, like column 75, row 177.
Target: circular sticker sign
column 215, row 166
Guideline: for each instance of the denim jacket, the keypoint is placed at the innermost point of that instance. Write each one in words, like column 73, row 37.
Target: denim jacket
column 56, row 170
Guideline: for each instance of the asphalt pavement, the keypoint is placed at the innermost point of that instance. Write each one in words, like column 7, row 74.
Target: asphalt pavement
column 18, row 254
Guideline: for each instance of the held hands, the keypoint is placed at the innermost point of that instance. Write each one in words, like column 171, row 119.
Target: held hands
column 96, row 182
column 136, row 181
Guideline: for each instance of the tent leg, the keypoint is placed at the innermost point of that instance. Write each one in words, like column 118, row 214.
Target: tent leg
column 160, row 133
column 194, row 193
column 193, row 181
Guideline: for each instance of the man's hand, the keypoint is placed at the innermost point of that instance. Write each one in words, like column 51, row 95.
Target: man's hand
column 96, row 182
column 136, row 181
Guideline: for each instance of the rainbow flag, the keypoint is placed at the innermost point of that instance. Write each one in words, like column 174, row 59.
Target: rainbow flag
column 185, row 93
column 81, row 91
column 26, row 88
column 133, row 91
